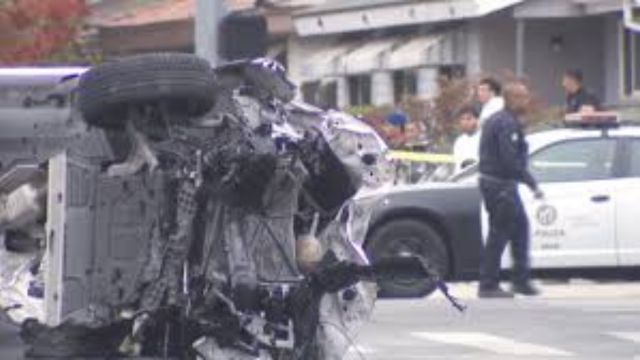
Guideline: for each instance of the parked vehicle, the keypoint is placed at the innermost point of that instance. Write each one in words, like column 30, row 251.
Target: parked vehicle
column 590, row 174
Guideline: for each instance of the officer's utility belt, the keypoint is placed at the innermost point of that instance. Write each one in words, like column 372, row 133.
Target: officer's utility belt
column 498, row 180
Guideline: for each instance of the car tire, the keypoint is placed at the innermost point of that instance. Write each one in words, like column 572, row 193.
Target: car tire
column 184, row 82
column 405, row 237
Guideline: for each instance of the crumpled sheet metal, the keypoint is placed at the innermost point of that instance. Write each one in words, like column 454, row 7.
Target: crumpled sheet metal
column 14, row 284
column 261, row 247
column 341, row 319
column 353, row 141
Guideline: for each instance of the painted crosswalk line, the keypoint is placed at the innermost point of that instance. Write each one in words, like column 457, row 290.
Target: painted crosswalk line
column 491, row 343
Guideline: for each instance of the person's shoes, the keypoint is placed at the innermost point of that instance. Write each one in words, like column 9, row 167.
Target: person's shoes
column 525, row 289
column 496, row 293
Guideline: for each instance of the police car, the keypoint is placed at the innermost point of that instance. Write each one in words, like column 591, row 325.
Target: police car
column 590, row 174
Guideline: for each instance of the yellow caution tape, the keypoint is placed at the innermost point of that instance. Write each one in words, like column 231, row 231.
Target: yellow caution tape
column 420, row 157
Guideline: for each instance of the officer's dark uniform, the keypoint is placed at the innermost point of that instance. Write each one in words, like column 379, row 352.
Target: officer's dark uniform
column 581, row 98
column 503, row 164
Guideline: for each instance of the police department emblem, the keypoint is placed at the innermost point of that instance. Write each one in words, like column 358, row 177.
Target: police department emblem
column 547, row 215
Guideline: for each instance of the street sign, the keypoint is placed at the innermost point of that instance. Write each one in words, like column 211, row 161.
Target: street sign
column 632, row 14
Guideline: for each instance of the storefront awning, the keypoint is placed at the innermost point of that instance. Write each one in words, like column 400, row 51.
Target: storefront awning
column 415, row 52
column 323, row 62
column 365, row 56
column 368, row 57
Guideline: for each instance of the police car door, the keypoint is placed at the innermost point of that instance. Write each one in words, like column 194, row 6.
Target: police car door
column 574, row 225
column 628, row 189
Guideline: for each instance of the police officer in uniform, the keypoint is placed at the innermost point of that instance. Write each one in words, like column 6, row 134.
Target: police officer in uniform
column 578, row 98
column 503, row 164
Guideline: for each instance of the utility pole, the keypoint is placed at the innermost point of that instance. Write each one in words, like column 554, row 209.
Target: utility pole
column 209, row 14
column 520, row 46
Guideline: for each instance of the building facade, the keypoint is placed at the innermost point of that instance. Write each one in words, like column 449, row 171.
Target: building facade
column 124, row 27
column 376, row 52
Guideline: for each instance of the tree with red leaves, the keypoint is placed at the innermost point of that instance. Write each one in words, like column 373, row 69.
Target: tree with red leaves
column 34, row 30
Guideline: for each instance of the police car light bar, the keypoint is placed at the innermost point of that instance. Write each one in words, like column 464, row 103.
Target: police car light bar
column 593, row 119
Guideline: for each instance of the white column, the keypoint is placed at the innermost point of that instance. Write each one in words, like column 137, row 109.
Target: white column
column 427, row 82
column 382, row 88
column 474, row 50
column 343, row 92
column 297, row 71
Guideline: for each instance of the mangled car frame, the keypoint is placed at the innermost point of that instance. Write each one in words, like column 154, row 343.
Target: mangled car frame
column 172, row 210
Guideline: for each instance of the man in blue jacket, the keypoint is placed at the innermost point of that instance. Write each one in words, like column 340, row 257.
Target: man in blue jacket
column 503, row 165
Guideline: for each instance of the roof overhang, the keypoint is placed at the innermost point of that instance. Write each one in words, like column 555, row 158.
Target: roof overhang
column 549, row 9
column 394, row 14
column 632, row 14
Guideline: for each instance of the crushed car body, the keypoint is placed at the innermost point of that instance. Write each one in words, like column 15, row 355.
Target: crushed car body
column 187, row 212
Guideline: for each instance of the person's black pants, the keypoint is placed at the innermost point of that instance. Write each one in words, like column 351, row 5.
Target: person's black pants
column 507, row 222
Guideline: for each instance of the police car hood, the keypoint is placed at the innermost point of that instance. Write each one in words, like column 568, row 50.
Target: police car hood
column 399, row 189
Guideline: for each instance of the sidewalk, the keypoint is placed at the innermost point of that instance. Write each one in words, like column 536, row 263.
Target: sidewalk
column 574, row 289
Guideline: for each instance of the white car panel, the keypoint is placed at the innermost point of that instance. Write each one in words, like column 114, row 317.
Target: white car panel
column 585, row 223
column 570, row 229
column 627, row 227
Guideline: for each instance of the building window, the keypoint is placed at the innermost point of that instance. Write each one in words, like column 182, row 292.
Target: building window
column 321, row 94
column 451, row 72
column 359, row 90
column 405, row 85
column 329, row 95
column 631, row 63
column 310, row 92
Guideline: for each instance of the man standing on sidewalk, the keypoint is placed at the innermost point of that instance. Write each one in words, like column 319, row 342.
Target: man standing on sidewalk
column 503, row 164
column 466, row 146
column 489, row 95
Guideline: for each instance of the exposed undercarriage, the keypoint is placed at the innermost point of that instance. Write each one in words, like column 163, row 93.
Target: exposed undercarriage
column 202, row 215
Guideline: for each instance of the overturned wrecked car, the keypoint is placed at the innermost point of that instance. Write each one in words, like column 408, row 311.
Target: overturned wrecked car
column 172, row 210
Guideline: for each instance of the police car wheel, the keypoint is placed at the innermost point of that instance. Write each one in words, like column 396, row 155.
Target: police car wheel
column 409, row 237
column 183, row 82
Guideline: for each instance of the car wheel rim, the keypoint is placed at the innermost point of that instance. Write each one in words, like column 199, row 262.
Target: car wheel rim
column 412, row 246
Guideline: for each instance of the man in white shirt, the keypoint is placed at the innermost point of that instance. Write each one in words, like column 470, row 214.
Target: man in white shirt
column 488, row 92
column 466, row 147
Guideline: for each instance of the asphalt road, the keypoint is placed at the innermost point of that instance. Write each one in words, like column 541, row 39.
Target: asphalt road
column 10, row 344
column 569, row 321
column 578, row 320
